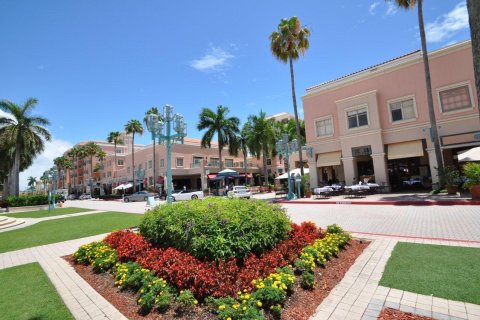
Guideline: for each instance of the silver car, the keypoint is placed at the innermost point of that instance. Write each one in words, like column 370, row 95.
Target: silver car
column 139, row 196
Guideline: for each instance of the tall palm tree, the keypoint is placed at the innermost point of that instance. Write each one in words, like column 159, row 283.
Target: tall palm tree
column 63, row 164
column 26, row 132
column 133, row 126
column 288, row 43
column 31, row 183
column 44, row 179
column 115, row 137
column 81, row 155
column 92, row 150
column 72, row 153
column 410, row 4
column 153, row 110
column 226, row 129
column 474, row 14
column 243, row 145
column 261, row 126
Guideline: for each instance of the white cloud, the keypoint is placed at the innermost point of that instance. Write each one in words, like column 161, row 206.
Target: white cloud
column 44, row 161
column 373, row 6
column 216, row 59
column 447, row 25
column 391, row 9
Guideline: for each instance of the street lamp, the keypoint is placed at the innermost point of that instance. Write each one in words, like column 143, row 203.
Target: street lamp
column 52, row 176
column 163, row 131
column 285, row 149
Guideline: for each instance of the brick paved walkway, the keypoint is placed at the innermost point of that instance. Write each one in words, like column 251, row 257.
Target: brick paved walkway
column 359, row 297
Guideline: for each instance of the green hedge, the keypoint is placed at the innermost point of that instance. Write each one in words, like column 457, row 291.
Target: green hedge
column 32, row 200
column 217, row 227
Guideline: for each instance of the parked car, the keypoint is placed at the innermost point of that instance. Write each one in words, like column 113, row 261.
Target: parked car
column 178, row 195
column 240, row 192
column 72, row 196
column 139, row 196
column 85, row 196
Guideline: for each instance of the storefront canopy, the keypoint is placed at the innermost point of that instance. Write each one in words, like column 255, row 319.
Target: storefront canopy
column 470, row 155
column 294, row 171
column 407, row 149
column 329, row 159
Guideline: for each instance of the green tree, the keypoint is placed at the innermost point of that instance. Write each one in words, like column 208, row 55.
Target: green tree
column 73, row 154
column 153, row 110
column 261, row 126
column 288, row 43
column 26, row 133
column 115, row 137
column 44, row 179
column 31, row 183
column 81, row 155
column 226, row 129
column 63, row 164
column 410, row 4
column 473, row 7
column 132, row 127
column 241, row 144
column 91, row 149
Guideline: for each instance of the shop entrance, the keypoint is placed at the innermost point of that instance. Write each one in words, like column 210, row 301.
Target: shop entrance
column 365, row 171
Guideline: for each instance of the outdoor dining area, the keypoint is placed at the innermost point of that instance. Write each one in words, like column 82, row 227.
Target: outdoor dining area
column 353, row 191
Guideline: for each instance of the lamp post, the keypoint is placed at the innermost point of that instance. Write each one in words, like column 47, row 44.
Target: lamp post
column 52, row 175
column 285, row 149
column 163, row 131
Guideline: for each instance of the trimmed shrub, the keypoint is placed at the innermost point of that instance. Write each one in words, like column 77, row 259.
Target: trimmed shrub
column 32, row 200
column 217, row 228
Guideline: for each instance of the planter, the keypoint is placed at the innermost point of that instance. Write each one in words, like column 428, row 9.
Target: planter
column 452, row 190
column 308, row 194
column 475, row 191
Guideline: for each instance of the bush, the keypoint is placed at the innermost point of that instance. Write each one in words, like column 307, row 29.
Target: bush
column 97, row 254
column 186, row 301
column 308, row 280
column 334, row 228
column 217, row 228
column 472, row 172
column 32, row 200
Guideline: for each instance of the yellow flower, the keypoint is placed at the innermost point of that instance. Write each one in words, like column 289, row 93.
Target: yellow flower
column 229, row 318
column 221, row 307
column 244, row 308
column 195, row 302
column 259, row 303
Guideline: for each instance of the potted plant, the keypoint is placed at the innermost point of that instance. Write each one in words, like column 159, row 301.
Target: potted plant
column 472, row 173
column 452, row 179
column 306, row 185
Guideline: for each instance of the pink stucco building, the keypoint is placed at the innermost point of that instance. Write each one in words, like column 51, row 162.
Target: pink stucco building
column 373, row 124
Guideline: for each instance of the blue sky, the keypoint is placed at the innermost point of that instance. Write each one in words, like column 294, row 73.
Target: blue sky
column 94, row 65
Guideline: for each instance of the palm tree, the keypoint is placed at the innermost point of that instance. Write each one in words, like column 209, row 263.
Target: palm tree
column 24, row 131
column 91, row 149
column 44, row 179
column 153, row 110
column 226, row 129
column 410, row 4
column 133, row 126
column 31, row 183
column 115, row 137
column 288, row 43
column 474, row 14
column 81, row 155
column 62, row 163
column 261, row 126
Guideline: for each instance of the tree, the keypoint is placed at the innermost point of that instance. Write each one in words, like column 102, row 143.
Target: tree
column 44, row 179
column 226, row 129
column 24, row 131
column 289, row 128
column 91, row 149
column 133, row 126
column 474, row 19
column 81, row 155
column 153, row 110
column 63, row 163
column 115, row 137
column 73, row 154
column 261, row 126
column 410, row 4
column 32, row 181
column 241, row 144
column 288, row 43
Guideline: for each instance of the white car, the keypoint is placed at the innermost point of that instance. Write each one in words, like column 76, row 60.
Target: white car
column 178, row 195
column 240, row 192
column 85, row 196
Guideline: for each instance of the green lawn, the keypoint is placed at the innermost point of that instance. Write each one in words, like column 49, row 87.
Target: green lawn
column 45, row 213
column 66, row 229
column 441, row 271
column 27, row 293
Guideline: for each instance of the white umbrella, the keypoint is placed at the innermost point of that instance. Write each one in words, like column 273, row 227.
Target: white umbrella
column 227, row 172
column 294, row 171
column 470, row 155
column 119, row 187
column 128, row 185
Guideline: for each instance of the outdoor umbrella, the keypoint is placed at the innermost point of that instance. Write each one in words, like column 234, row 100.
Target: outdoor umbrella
column 119, row 187
column 294, row 171
column 470, row 155
column 227, row 172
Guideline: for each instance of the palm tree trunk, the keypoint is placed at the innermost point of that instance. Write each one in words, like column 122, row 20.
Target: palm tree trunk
column 15, row 172
column 133, row 160
column 220, row 156
column 115, row 157
column 431, row 109
column 297, row 125
column 154, row 168
column 91, row 174
column 265, row 170
column 245, row 165
column 474, row 14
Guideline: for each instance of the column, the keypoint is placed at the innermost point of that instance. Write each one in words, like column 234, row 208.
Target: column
column 380, row 168
column 312, row 165
column 350, row 169
column 432, row 160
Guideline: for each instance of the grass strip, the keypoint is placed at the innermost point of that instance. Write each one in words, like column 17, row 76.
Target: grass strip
column 45, row 213
column 442, row 271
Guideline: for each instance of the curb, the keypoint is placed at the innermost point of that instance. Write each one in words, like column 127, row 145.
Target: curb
column 390, row 203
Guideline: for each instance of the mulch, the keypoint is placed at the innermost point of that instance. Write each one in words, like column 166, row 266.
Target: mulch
column 300, row 305
column 393, row 314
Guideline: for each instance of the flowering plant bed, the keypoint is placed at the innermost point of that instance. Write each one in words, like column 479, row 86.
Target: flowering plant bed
column 167, row 282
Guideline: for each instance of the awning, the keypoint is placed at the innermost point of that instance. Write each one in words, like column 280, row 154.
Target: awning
column 329, row 159
column 470, row 155
column 407, row 149
column 211, row 175
column 295, row 172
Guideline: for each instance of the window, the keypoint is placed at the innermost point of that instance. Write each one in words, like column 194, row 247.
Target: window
column 119, row 151
column 214, row 162
column 357, row 118
column 402, row 110
column 120, row 162
column 179, row 162
column 242, row 164
column 150, row 164
column 109, row 174
column 269, row 162
column 229, row 163
column 454, row 99
column 324, row 127
column 197, row 162
column 162, row 163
